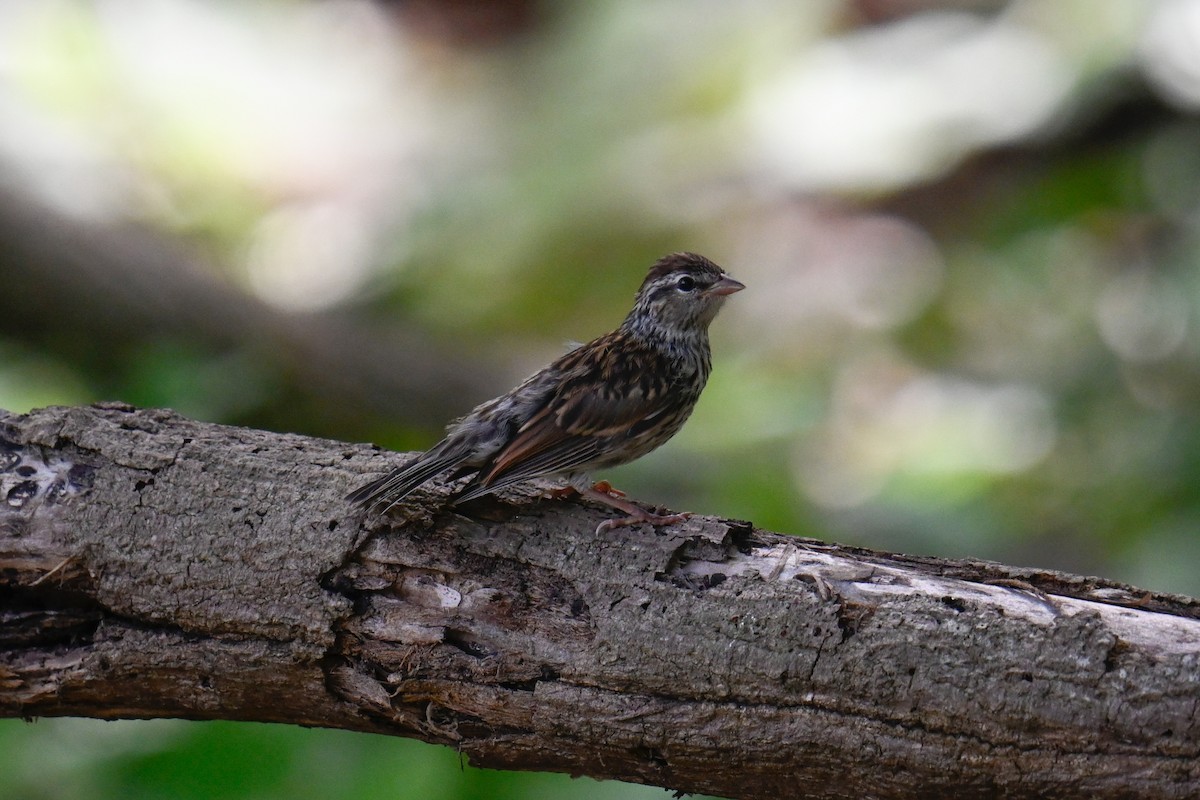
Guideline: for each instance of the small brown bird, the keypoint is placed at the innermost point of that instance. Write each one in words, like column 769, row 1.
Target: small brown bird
column 604, row 403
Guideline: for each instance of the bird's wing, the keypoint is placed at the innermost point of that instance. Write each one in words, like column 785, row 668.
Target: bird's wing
column 600, row 401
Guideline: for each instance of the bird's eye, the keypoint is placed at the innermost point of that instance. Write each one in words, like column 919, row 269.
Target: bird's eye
column 686, row 283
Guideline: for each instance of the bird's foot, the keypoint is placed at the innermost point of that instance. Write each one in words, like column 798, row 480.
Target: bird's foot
column 640, row 517
column 603, row 492
column 604, row 487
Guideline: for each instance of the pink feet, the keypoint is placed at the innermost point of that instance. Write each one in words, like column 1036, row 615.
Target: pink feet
column 604, row 487
column 640, row 517
column 603, row 492
column 607, row 488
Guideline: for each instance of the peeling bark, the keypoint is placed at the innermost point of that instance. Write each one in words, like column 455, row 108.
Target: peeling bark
column 153, row 566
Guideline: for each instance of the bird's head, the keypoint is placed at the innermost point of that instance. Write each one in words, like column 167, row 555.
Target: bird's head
column 682, row 293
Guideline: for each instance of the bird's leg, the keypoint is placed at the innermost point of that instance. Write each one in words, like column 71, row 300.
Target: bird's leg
column 607, row 488
column 636, row 513
column 570, row 491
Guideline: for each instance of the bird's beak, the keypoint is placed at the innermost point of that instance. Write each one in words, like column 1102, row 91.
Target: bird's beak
column 726, row 285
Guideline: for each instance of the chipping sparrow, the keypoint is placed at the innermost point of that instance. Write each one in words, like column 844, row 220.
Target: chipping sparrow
column 604, row 403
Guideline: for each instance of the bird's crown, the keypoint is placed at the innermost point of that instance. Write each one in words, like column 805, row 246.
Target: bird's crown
column 697, row 266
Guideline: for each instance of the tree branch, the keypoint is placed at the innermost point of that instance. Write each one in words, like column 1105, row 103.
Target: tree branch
column 153, row 566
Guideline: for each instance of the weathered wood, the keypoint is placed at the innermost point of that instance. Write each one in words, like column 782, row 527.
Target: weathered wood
column 154, row 566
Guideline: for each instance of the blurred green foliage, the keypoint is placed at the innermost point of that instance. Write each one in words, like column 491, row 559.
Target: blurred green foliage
column 55, row 759
column 970, row 327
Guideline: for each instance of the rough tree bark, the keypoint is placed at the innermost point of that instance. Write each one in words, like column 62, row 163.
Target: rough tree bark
column 153, row 566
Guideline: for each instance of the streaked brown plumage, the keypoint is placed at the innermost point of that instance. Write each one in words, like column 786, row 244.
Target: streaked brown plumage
column 604, row 403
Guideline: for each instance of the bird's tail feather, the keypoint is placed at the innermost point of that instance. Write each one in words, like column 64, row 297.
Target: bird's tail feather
column 400, row 482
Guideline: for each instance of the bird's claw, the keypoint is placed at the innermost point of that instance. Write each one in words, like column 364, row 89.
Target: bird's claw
column 645, row 516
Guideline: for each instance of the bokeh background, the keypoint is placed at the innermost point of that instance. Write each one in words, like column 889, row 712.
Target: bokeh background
column 970, row 232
